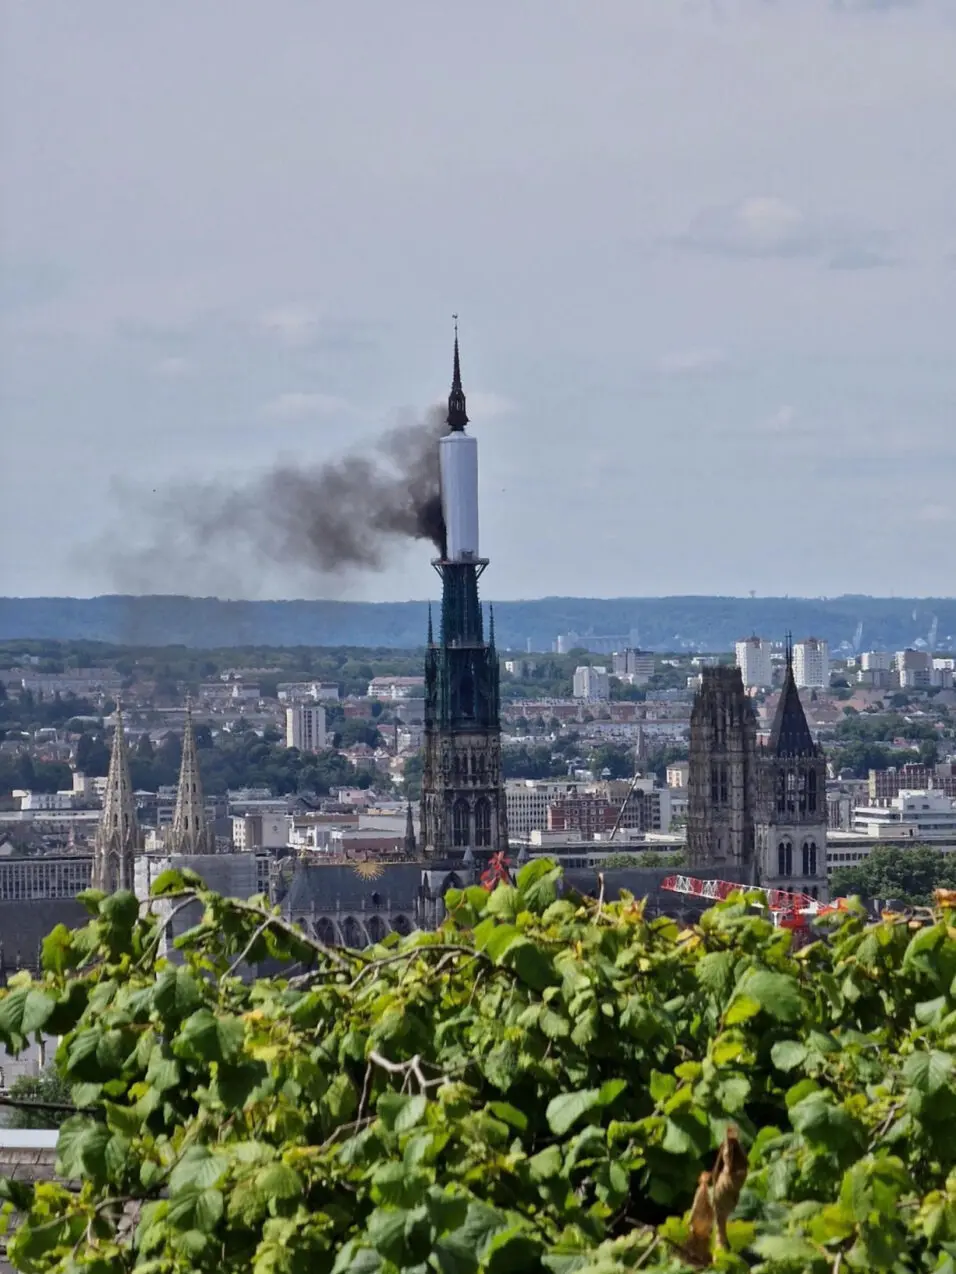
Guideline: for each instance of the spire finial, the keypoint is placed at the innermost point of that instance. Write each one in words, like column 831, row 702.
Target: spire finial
column 457, row 415
column 789, row 651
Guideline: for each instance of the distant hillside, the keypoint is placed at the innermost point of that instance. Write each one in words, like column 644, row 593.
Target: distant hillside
column 660, row 623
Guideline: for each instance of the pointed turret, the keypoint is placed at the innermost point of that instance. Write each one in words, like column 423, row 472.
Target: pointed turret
column 190, row 831
column 410, row 846
column 790, row 735
column 457, row 415
column 117, row 836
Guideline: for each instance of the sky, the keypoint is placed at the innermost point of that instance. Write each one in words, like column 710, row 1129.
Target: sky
column 703, row 251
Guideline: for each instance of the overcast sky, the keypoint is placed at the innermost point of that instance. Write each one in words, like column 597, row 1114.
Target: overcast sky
column 704, row 255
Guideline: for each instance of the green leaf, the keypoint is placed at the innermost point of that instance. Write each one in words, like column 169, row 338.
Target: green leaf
column 37, row 1008
column 715, row 972
column 546, row 1164
column 529, row 962
column 789, row 1250
column 564, row 1112
column 81, row 1148
column 662, row 1086
column 928, row 1072
column 195, row 1210
column 510, row 1114
column 497, row 942
column 11, row 1013
column 787, row 1055
column 742, row 1008
column 176, row 994
column 209, row 1038
column 777, row 994
column 279, row 1181
column 198, row 1169
column 399, row 1111
column 538, row 884
column 57, row 953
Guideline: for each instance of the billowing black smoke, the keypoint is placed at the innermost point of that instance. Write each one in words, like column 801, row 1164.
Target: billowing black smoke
column 329, row 519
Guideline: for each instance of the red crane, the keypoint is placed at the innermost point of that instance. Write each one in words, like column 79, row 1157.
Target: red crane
column 496, row 871
column 790, row 910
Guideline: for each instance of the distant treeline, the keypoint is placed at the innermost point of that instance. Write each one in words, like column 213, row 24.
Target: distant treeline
column 660, row 623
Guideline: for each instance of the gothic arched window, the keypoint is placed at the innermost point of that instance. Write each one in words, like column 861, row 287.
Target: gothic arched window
column 791, row 792
column 784, row 859
column 482, row 822
column 812, row 791
column 466, row 693
column 459, row 823
column 809, row 858
column 723, row 785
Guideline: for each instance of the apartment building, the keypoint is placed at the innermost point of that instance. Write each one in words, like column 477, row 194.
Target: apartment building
column 753, row 660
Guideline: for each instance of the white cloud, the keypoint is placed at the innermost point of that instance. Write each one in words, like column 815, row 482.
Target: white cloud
column 302, row 405
column 781, row 421
column 763, row 227
column 293, row 324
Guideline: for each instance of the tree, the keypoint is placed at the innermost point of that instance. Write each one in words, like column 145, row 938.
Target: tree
column 547, row 1083
column 611, row 756
column 48, row 1088
column 92, row 756
column 909, row 875
column 144, row 747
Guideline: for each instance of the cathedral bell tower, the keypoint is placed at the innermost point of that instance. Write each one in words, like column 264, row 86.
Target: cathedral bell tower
column 463, row 813
column 791, row 825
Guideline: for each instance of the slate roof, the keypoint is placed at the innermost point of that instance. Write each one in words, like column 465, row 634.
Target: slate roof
column 25, row 923
column 340, row 885
column 790, row 735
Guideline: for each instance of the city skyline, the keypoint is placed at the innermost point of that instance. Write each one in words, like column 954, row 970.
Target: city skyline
column 703, row 258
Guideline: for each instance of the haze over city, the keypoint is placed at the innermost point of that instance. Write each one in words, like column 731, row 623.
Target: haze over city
column 703, row 255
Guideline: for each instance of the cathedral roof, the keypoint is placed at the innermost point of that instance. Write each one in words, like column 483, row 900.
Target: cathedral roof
column 790, row 735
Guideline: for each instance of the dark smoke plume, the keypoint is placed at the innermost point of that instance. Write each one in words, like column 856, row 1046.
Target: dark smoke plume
column 329, row 518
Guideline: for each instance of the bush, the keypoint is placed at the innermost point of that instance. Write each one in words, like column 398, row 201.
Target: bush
column 547, row 1083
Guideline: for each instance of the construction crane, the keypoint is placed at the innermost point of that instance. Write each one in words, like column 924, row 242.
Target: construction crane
column 789, row 910
column 496, row 872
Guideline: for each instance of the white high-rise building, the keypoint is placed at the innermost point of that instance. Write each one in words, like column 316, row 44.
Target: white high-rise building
column 305, row 727
column 753, row 660
column 591, row 684
column 876, row 660
column 811, row 664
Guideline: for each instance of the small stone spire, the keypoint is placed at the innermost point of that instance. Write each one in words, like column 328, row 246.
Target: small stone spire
column 457, row 415
column 431, row 632
column 411, row 846
column 117, row 835
column 190, row 831
column 491, row 626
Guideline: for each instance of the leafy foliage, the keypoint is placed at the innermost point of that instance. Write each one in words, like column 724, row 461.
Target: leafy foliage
column 545, row 1083
column 909, row 875
column 47, row 1087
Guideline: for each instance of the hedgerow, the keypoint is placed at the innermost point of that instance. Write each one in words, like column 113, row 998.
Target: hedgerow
column 545, row 1083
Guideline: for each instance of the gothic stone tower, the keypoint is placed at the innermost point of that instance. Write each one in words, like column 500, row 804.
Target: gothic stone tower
column 791, row 805
column 463, row 814
column 722, row 779
column 191, row 833
column 117, row 835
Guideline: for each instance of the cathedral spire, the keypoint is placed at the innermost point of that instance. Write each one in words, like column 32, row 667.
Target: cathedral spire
column 790, row 734
column 190, row 831
column 457, row 415
column 411, row 846
column 117, row 835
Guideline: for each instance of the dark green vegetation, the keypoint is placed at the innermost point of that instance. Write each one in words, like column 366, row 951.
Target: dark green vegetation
column 664, row 623
column 910, row 875
column 860, row 741
column 48, row 1089
column 536, row 1086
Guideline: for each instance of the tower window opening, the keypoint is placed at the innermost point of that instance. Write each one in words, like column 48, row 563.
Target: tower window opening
column 459, row 823
column 483, row 822
column 809, row 858
column 812, row 791
column 784, row 859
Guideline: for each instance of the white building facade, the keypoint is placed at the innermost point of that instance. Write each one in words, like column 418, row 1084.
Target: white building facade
column 305, row 727
column 811, row 664
column 591, row 684
column 753, row 660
